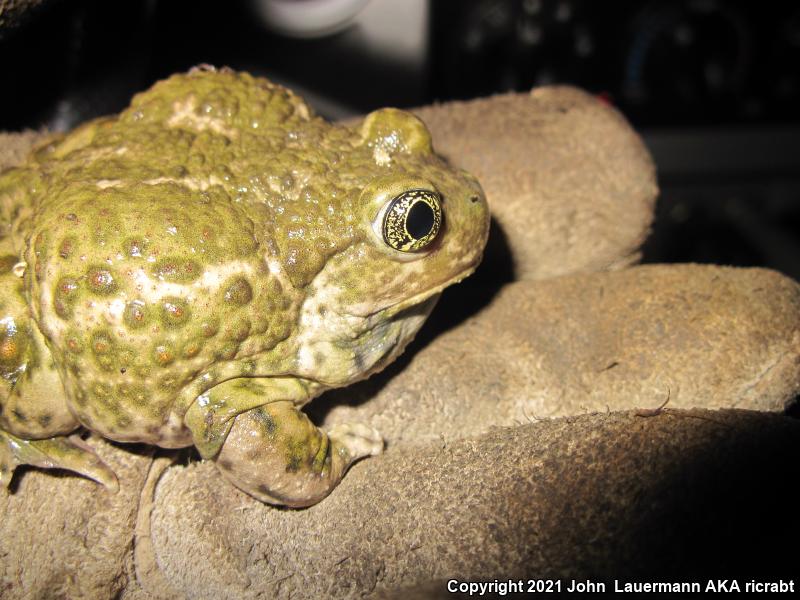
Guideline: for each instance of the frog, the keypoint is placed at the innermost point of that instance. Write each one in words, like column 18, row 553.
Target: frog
column 197, row 268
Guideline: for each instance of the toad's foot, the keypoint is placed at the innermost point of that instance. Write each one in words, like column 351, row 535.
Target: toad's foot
column 69, row 453
column 274, row 453
column 357, row 439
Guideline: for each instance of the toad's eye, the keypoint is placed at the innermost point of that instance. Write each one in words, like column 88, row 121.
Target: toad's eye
column 412, row 220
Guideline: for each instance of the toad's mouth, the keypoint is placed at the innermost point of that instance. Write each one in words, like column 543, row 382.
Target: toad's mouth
column 389, row 310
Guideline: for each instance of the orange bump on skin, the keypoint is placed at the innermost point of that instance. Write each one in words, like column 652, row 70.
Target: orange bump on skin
column 67, row 286
column 101, row 281
column 192, row 349
column 8, row 349
column 174, row 311
column 163, row 355
column 135, row 314
column 101, row 343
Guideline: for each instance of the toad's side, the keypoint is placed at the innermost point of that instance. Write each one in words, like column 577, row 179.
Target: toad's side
column 196, row 269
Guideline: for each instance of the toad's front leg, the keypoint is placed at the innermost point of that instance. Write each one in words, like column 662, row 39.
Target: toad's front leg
column 275, row 453
column 271, row 450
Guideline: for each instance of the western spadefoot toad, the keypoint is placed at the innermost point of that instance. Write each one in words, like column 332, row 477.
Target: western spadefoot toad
column 197, row 268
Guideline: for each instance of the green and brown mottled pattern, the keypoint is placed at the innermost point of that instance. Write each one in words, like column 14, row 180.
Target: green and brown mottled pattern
column 220, row 129
column 134, row 338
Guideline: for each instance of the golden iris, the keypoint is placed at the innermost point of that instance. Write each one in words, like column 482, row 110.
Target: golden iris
column 412, row 220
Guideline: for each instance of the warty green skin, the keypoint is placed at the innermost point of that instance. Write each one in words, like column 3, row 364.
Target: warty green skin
column 196, row 268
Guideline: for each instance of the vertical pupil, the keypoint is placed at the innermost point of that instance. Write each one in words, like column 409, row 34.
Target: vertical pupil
column 419, row 221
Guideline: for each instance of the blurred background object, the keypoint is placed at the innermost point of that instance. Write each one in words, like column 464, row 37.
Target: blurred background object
column 712, row 85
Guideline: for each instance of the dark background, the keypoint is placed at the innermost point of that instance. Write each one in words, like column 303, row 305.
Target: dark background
column 712, row 85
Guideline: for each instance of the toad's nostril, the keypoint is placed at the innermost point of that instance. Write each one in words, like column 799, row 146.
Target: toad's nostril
column 474, row 199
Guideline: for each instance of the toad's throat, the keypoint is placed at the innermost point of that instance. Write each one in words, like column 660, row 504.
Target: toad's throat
column 380, row 344
column 367, row 348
